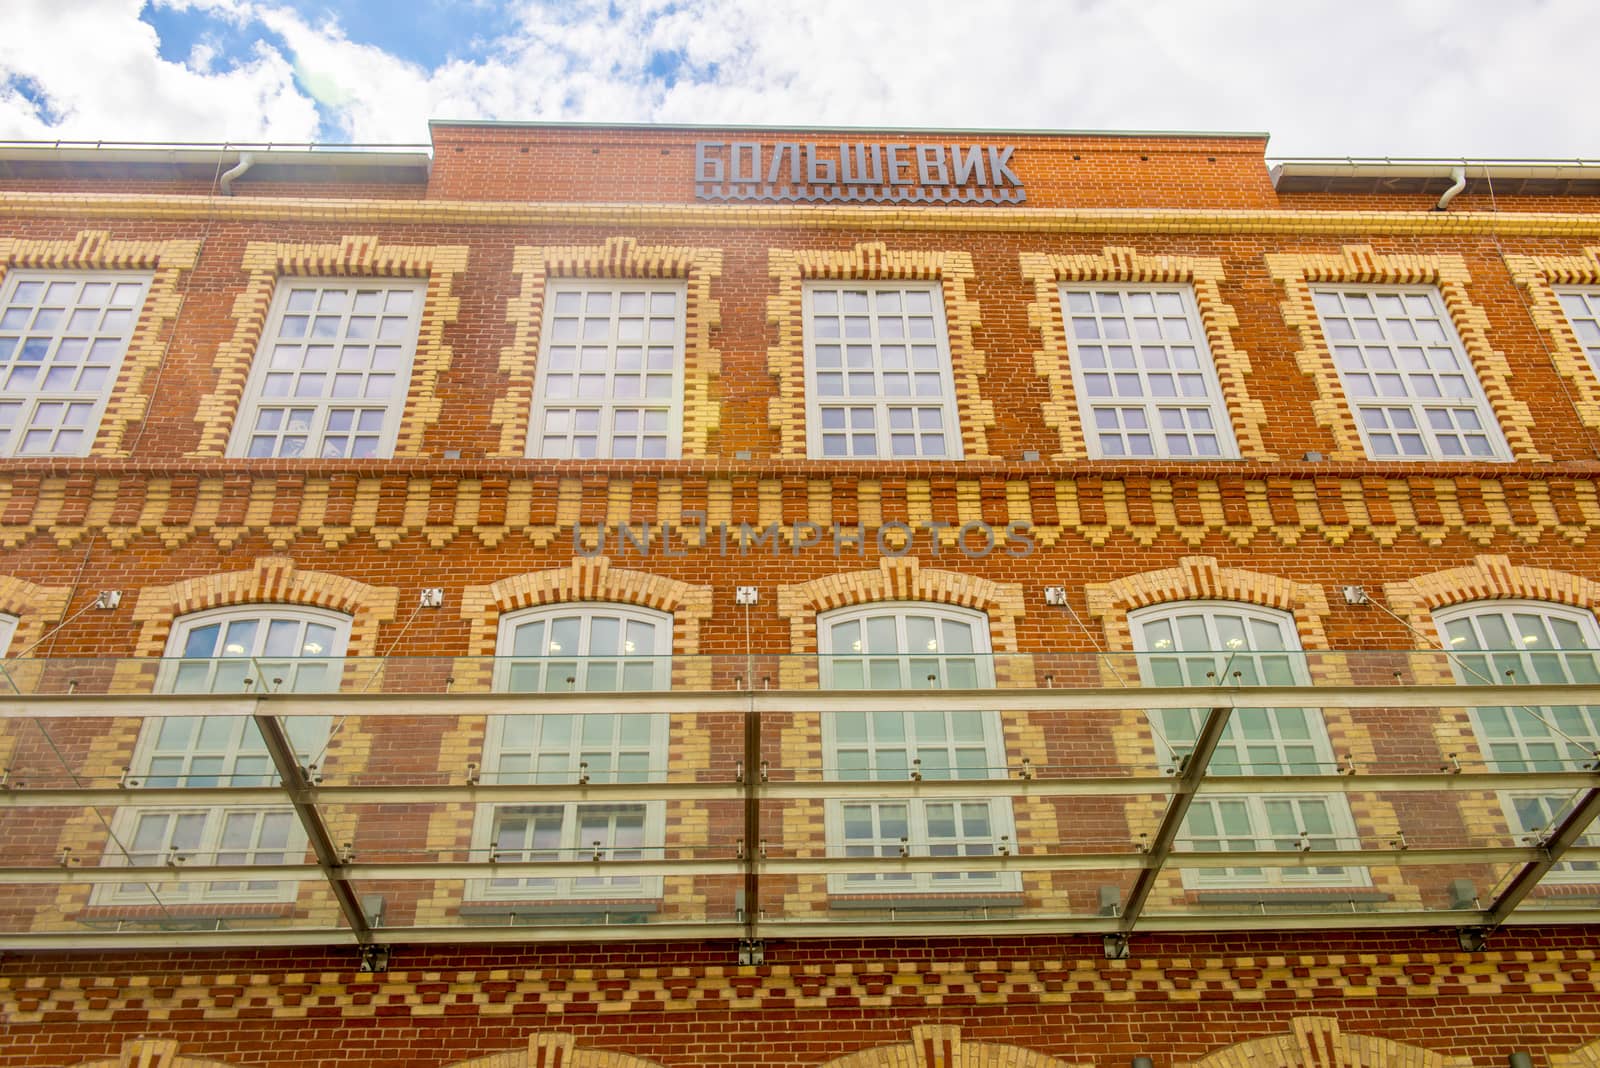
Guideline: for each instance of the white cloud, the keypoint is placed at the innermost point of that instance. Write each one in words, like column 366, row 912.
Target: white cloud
column 1410, row 77
column 98, row 69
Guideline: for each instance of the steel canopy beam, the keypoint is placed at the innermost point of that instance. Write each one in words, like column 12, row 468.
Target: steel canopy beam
column 298, row 786
column 1560, row 842
column 1187, row 782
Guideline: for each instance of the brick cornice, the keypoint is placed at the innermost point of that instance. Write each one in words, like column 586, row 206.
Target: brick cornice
column 343, row 211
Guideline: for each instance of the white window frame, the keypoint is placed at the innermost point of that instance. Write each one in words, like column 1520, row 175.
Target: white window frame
column 880, row 402
column 606, row 406
column 32, row 398
column 1304, row 749
column 570, row 760
column 233, row 763
column 1585, row 326
column 1153, row 408
column 1533, row 739
column 925, row 669
column 324, row 403
column 1363, row 404
column 8, row 630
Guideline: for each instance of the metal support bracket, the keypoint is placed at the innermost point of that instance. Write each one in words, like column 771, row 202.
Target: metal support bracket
column 752, row 952
column 374, row 958
column 1472, row 939
column 1116, row 947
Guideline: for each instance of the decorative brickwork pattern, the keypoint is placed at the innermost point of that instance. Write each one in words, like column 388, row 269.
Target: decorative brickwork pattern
column 1318, row 1042
column 1350, row 978
column 35, row 608
column 1538, row 276
column 941, row 1046
column 410, row 512
column 153, row 1053
column 551, row 1049
column 618, row 257
column 1359, row 263
column 786, row 412
column 94, row 250
column 1053, row 362
column 351, row 257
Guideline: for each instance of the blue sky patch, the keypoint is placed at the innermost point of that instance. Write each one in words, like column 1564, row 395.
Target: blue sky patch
column 428, row 33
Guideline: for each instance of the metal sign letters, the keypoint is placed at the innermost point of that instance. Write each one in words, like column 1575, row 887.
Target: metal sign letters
column 864, row 172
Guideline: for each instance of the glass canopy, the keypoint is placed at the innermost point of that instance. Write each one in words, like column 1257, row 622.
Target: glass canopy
column 310, row 800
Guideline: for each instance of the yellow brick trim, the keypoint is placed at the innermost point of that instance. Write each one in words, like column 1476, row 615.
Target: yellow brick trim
column 153, row 1053
column 555, row 1049
column 792, row 268
column 617, row 257
column 351, row 257
column 94, row 250
column 1359, row 263
column 942, row 1046
column 1538, row 276
column 1202, row 578
column 36, row 609
column 1319, row 1042
column 271, row 580
column 745, row 216
column 1052, row 360
column 1486, row 578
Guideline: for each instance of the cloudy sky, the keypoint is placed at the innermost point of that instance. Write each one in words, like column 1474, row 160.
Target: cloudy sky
column 1475, row 78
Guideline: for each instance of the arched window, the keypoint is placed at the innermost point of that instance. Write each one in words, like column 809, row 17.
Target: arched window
column 912, row 647
column 1213, row 643
column 8, row 627
column 243, row 649
column 1531, row 642
column 576, row 648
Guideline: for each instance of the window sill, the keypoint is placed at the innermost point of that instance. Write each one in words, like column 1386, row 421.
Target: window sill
column 924, row 902
column 188, row 914
column 1289, row 895
column 558, row 913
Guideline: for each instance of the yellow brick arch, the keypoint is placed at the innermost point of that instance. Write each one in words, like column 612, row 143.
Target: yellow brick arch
column 554, row 1049
column 152, row 1053
column 1202, row 578
column 1487, row 578
column 1583, row 1057
column 1319, row 1042
column 942, row 1046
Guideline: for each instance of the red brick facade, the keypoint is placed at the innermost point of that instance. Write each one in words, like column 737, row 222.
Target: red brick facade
column 159, row 511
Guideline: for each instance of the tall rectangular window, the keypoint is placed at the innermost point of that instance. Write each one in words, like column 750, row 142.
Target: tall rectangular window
column 1409, row 381
column 1583, row 312
column 1143, row 372
column 878, row 377
column 563, row 649
column 1531, row 643
column 330, row 378
column 230, row 651
column 62, row 340
column 610, row 380
column 1211, row 644
column 913, row 647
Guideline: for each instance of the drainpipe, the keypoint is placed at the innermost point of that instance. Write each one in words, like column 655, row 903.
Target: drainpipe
column 1459, row 176
column 246, row 159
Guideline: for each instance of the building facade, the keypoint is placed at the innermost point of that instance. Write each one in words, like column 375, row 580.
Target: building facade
column 640, row 596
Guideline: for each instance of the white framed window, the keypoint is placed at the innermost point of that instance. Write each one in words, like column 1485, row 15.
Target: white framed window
column 1409, row 382
column 330, row 378
column 62, row 340
column 8, row 627
column 1530, row 643
column 1144, row 374
column 610, row 377
column 1212, row 643
column 878, row 377
column 1582, row 305
column 912, row 646
column 576, row 648
column 244, row 649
